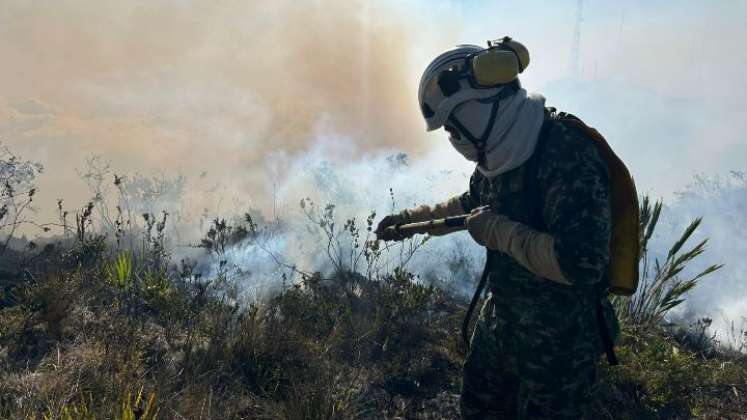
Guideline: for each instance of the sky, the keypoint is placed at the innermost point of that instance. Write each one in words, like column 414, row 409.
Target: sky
column 260, row 104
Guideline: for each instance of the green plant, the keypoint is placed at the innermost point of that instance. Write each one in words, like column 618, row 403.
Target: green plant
column 130, row 407
column 661, row 287
column 139, row 407
column 119, row 273
column 75, row 411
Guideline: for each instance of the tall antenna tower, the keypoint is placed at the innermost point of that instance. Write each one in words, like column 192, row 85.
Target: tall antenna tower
column 576, row 47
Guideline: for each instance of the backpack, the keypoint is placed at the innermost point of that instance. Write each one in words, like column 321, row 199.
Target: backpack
column 622, row 270
column 624, row 253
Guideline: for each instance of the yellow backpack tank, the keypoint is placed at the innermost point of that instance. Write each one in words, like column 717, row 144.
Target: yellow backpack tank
column 622, row 271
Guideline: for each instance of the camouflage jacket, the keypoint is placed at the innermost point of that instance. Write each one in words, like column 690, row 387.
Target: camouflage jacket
column 562, row 189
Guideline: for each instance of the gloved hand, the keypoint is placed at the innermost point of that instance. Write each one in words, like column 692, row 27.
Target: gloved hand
column 383, row 234
column 489, row 229
column 451, row 207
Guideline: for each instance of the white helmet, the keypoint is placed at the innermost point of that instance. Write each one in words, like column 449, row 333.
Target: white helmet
column 468, row 72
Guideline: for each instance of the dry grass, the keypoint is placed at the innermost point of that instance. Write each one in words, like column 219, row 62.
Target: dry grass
column 98, row 326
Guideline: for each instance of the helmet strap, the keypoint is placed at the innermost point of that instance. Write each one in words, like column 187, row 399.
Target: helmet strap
column 479, row 143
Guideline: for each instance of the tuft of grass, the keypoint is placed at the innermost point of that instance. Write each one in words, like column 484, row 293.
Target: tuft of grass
column 119, row 273
column 130, row 407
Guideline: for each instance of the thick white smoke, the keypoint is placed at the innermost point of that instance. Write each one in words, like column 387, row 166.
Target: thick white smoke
column 375, row 183
column 722, row 203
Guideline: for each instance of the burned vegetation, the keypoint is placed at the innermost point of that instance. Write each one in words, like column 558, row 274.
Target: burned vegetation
column 101, row 320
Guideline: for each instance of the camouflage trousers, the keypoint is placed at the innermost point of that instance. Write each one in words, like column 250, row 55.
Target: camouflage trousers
column 517, row 370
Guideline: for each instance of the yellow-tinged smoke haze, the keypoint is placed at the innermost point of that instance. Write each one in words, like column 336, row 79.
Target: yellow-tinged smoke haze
column 195, row 87
column 260, row 104
column 239, row 90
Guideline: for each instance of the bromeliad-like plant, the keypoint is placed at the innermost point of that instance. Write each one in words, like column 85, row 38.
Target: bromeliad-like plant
column 119, row 273
column 662, row 286
column 131, row 407
column 139, row 407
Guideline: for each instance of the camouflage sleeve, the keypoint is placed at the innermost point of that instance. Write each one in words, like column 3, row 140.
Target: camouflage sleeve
column 576, row 209
column 471, row 198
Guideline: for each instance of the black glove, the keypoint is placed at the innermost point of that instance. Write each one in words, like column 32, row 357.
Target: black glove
column 384, row 234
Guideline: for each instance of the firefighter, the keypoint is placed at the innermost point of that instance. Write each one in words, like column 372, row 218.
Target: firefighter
column 539, row 203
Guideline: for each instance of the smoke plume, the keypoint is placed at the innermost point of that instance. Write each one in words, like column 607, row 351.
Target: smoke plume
column 203, row 87
column 261, row 104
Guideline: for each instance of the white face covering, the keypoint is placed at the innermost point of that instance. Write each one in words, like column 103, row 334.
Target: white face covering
column 514, row 134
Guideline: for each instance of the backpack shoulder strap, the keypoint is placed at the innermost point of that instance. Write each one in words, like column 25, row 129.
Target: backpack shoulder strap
column 532, row 196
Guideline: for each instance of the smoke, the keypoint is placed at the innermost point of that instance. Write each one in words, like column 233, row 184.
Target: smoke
column 261, row 104
column 257, row 105
column 335, row 192
column 197, row 87
column 721, row 201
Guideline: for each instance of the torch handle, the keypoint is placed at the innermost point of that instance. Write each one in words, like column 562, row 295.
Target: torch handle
column 409, row 229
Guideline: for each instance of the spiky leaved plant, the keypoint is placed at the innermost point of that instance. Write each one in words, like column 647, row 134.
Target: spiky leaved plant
column 661, row 286
column 131, row 407
column 119, row 272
